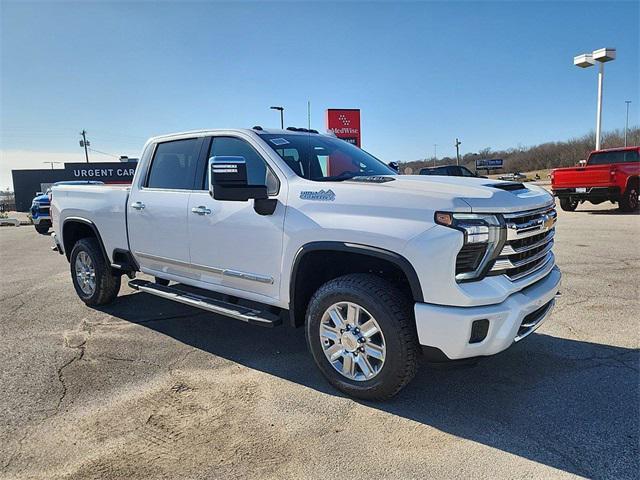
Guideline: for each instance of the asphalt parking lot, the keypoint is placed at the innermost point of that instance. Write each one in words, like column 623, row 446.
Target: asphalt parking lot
column 150, row 389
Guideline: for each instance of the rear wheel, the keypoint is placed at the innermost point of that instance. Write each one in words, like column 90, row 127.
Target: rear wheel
column 568, row 204
column 93, row 280
column 629, row 200
column 362, row 336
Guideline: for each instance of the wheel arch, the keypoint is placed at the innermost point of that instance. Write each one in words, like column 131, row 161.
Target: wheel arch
column 632, row 180
column 352, row 258
column 76, row 228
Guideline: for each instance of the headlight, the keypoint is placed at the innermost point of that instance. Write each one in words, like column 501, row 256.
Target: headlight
column 484, row 237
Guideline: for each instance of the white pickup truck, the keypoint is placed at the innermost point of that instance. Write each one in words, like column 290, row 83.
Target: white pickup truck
column 273, row 226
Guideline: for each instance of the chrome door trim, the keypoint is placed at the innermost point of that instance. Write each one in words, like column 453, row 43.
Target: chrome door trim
column 253, row 277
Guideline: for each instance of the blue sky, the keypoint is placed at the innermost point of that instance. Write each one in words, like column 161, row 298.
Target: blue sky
column 494, row 74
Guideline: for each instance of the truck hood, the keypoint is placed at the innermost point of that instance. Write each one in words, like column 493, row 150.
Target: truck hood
column 482, row 195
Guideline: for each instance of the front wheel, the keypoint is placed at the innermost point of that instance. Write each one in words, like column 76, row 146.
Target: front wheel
column 93, row 280
column 568, row 204
column 361, row 333
column 42, row 228
column 629, row 200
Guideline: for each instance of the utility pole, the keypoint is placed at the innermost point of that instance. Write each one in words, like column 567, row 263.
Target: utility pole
column 626, row 125
column 85, row 143
column 458, row 143
column 435, row 153
column 309, row 114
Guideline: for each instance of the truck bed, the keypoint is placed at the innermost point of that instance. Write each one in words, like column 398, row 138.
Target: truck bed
column 103, row 205
column 588, row 176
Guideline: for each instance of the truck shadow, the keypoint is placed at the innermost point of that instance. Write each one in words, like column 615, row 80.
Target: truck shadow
column 568, row 404
column 612, row 211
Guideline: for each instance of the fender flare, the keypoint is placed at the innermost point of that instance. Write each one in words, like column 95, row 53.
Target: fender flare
column 398, row 260
column 93, row 227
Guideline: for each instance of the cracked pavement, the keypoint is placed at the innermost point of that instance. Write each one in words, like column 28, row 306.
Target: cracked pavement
column 145, row 388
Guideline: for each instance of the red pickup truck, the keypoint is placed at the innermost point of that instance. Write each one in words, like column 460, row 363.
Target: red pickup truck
column 610, row 174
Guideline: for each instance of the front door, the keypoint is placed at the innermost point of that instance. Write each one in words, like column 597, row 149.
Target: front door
column 230, row 244
column 157, row 211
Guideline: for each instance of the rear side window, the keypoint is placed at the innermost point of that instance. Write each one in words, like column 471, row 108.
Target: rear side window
column 621, row 156
column 174, row 165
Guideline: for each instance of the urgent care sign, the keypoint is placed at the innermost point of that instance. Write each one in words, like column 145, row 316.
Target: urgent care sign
column 345, row 123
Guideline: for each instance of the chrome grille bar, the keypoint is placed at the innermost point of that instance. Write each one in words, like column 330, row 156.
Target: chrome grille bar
column 529, row 242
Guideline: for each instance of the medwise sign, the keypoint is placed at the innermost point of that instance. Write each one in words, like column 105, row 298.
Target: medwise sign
column 345, row 123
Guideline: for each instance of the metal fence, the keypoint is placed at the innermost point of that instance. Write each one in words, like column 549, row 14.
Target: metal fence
column 7, row 207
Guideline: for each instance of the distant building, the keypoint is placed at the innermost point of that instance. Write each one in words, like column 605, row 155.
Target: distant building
column 27, row 183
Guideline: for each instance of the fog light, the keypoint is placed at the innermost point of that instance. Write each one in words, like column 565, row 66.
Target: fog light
column 479, row 330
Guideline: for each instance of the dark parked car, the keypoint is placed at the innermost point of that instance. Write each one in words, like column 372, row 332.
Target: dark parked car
column 449, row 171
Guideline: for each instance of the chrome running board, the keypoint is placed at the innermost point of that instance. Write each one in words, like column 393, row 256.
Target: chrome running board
column 239, row 312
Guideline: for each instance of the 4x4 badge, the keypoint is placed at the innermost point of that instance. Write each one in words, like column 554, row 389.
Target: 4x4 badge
column 322, row 195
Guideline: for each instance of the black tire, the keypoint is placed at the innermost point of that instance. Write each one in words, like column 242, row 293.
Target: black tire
column 42, row 228
column 392, row 311
column 629, row 199
column 162, row 281
column 568, row 204
column 107, row 285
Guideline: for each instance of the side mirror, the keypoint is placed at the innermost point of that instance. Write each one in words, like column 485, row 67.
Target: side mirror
column 228, row 180
column 394, row 166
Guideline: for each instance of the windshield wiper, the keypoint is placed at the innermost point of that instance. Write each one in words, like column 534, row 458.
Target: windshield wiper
column 339, row 178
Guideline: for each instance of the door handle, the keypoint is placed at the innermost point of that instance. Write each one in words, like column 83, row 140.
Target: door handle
column 138, row 205
column 201, row 210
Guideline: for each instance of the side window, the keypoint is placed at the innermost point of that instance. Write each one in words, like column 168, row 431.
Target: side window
column 466, row 172
column 257, row 171
column 174, row 165
column 631, row 156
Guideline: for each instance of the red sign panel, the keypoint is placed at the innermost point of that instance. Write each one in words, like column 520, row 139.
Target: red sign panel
column 345, row 123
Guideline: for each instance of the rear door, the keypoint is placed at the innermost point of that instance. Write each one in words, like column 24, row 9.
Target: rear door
column 157, row 210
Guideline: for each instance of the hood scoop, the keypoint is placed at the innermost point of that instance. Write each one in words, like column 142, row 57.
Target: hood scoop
column 507, row 186
column 372, row 179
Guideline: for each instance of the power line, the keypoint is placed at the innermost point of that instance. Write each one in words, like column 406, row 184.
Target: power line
column 104, row 153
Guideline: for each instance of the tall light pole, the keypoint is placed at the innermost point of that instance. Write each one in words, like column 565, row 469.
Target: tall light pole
column 626, row 125
column 586, row 60
column 458, row 143
column 435, row 153
column 281, row 110
column 52, row 163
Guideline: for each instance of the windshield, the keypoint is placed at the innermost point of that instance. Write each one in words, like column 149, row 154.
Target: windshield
column 321, row 158
column 620, row 156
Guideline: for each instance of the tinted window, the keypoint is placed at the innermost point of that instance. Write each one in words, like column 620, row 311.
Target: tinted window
column 466, row 172
column 257, row 171
column 434, row 171
column 174, row 165
column 621, row 156
column 322, row 158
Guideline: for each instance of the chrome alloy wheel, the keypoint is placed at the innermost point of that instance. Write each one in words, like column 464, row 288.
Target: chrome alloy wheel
column 85, row 273
column 352, row 341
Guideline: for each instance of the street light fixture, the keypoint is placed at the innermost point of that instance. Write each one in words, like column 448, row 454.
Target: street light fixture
column 586, row 60
column 281, row 110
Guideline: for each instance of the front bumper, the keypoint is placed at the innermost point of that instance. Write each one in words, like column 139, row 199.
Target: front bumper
column 41, row 219
column 449, row 329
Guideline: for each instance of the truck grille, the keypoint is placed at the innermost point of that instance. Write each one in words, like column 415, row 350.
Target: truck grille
column 529, row 243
